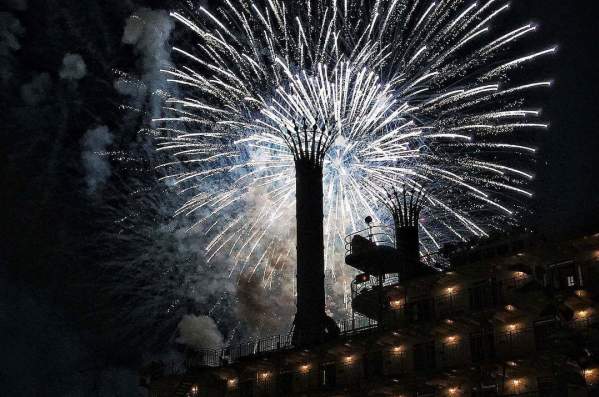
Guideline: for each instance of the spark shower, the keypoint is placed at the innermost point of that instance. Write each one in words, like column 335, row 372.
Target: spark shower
column 420, row 95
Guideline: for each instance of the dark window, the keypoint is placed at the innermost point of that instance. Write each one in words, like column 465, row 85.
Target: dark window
column 544, row 331
column 424, row 356
column 486, row 391
column 328, row 375
column 546, row 386
column 246, row 388
column 426, row 391
column 284, row 383
column 420, row 309
column 482, row 345
column 373, row 364
column 484, row 296
column 540, row 274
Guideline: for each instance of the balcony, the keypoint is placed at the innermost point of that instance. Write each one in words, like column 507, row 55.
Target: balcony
column 376, row 365
column 402, row 311
column 372, row 250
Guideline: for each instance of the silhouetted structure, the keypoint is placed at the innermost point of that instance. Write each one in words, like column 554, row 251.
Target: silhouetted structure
column 311, row 324
column 405, row 208
column 511, row 316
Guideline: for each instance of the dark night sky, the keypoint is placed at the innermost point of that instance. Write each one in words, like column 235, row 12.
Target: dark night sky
column 567, row 193
column 56, row 325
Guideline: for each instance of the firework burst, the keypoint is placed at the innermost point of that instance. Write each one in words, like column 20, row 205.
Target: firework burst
column 414, row 94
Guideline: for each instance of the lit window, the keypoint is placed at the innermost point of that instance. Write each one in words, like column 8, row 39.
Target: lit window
column 571, row 281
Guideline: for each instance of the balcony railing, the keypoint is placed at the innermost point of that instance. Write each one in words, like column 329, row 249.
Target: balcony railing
column 378, row 234
column 217, row 357
column 438, row 307
column 359, row 368
column 474, row 347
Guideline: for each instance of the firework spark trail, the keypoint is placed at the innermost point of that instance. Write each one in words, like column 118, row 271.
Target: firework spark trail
column 418, row 95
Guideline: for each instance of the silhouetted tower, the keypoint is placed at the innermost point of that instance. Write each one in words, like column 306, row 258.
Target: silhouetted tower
column 405, row 208
column 309, row 144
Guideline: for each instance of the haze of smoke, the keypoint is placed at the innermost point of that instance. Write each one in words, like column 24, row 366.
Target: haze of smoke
column 199, row 332
column 18, row 5
column 165, row 264
column 37, row 89
column 97, row 166
column 265, row 310
column 148, row 31
column 10, row 31
column 73, row 67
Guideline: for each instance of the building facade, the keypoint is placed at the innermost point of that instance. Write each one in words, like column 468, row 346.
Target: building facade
column 511, row 316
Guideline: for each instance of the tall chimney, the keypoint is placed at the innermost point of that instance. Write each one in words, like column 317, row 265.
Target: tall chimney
column 405, row 208
column 309, row 145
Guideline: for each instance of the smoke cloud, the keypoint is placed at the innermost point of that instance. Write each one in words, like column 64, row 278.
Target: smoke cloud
column 265, row 309
column 10, row 31
column 37, row 89
column 199, row 332
column 148, row 31
column 18, row 5
column 73, row 67
column 97, row 167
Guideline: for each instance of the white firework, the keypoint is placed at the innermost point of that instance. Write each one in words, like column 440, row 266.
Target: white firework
column 418, row 93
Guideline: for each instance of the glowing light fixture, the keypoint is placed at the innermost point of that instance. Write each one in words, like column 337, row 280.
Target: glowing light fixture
column 583, row 314
column 512, row 327
column 396, row 303
column 452, row 391
column 451, row 339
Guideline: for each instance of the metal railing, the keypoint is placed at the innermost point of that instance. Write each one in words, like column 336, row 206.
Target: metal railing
column 505, row 345
column 356, row 325
column 377, row 234
column 371, row 284
column 431, row 308
column 437, row 307
column 231, row 354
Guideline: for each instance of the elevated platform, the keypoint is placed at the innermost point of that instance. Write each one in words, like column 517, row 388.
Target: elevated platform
column 372, row 251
